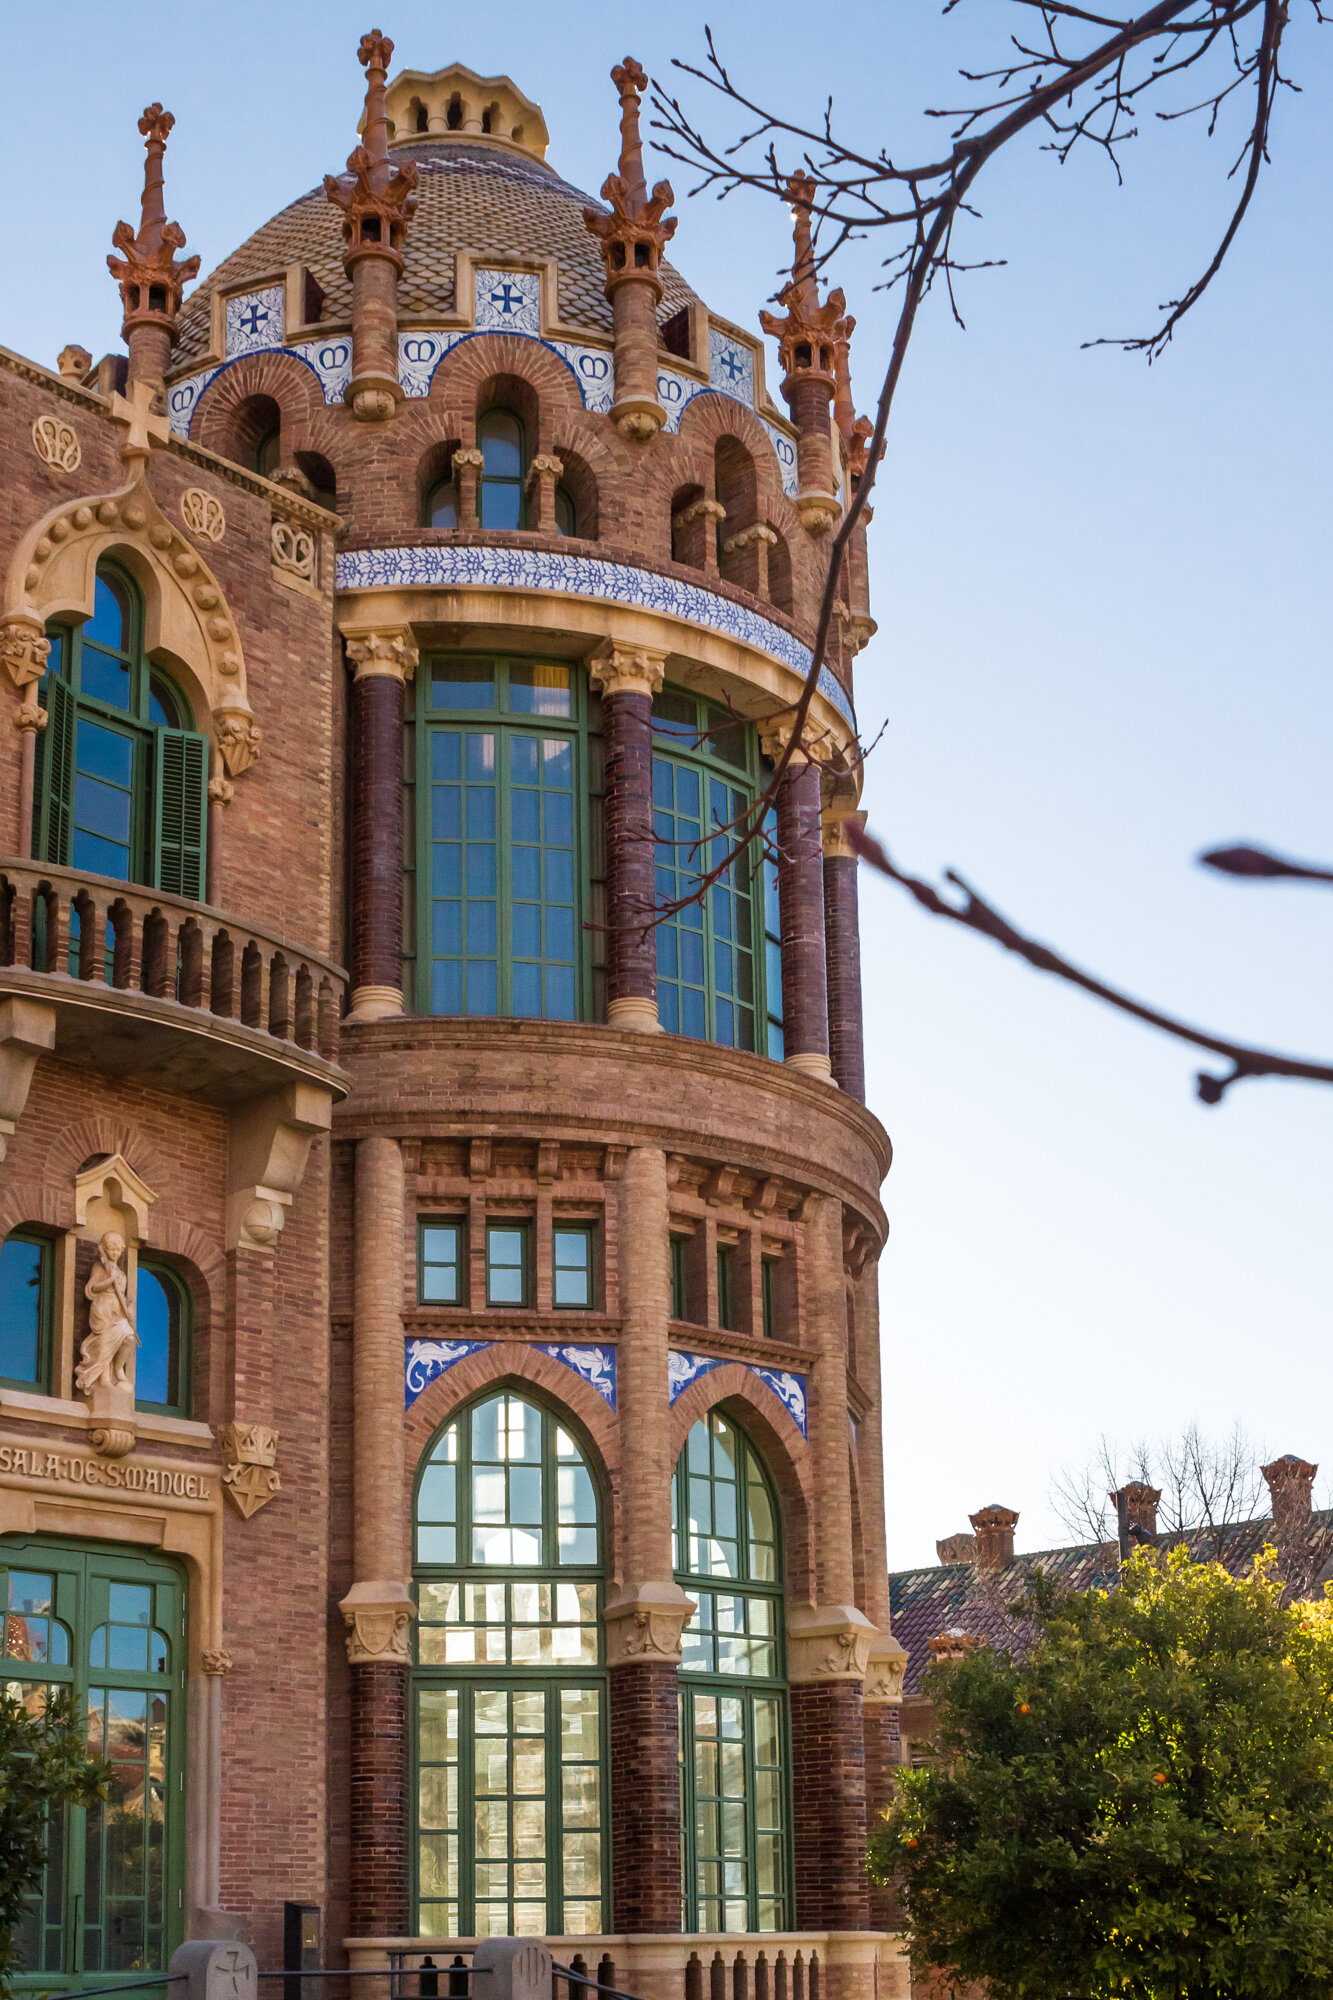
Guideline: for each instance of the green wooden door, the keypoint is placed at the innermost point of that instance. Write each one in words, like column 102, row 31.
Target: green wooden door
column 112, row 1628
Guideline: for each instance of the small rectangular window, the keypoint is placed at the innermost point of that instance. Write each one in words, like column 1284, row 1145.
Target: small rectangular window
column 441, row 1264
column 767, row 1290
column 25, row 1311
column 572, row 1271
column 678, row 1278
column 725, row 1287
column 507, row 1264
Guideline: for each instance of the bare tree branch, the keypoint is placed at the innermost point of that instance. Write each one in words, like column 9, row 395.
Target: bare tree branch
column 977, row 915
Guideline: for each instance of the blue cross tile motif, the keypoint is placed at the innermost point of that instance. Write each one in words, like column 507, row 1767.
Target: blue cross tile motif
column 581, row 576
column 597, row 1365
column 427, row 1359
column 508, row 302
column 254, row 322
column 731, row 366
column 682, row 1369
column 785, row 448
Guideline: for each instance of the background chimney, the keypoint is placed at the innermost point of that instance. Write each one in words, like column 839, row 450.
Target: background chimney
column 1136, row 1514
column 994, row 1527
column 1289, row 1481
column 957, row 1549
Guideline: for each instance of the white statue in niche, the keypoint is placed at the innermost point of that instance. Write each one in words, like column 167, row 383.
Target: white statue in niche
column 107, row 1355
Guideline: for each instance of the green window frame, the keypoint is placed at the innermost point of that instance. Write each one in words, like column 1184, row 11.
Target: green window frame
column 27, row 1295
column 442, row 1269
column 508, row 1263
column 768, row 1296
column 573, row 1266
column 679, row 1287
column 120, row 786
column 735, row 1727
column 164, row 1322
column 505, row 859
column 509, row 1688
column 502, row 438
column 726, row 1274
column 110, row 1628
column 715, row 974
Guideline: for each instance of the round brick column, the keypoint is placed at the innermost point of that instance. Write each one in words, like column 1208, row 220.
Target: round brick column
column 378, row 1607
column 801, row 898
column 628, row 679
column 829, row 1788
column 842, row 948
column 381, row 662
column 645, row 1797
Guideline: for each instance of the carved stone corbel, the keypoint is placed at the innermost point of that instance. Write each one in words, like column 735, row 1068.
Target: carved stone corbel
column 644, row 1621
column 270, row 1144
column 250, row 1453
column 390, row 650
column 614, row 669
column 27, row 1030
column 828, row 1642
column 379, row 1618
column 884, row 1673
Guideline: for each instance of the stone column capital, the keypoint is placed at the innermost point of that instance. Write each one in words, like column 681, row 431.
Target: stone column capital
column 378, row 1616
column 837, row 847
column 644, row 1622
column 884, row 1671
column 699, row 510
column 775, row 735
column 747, row 537
column 389, row 651
column 614, row 669
column 467, row 455
column 828, row 1642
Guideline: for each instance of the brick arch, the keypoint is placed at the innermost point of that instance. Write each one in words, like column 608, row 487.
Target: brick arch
column 467, row 368
column 711, row 416
column 508, row 1364
column 77, row 1143
column 35, row 1204
column 193, row 1248
column 739, row 1394
column 220, row 422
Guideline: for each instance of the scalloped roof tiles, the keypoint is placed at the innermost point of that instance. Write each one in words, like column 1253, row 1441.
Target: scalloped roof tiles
column 473, row 198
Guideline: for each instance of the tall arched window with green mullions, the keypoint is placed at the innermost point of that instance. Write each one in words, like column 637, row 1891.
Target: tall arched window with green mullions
column 719, row 966
column 111, row 1629
column 121, row 778
column 509, row 1694
column 734, row 1721
column 506, row 892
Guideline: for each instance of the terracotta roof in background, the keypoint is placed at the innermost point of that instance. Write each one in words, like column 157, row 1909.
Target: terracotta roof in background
column 957, row 1597
column 472, row 197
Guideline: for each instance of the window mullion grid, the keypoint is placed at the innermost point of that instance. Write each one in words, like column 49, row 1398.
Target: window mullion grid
column 504, row 873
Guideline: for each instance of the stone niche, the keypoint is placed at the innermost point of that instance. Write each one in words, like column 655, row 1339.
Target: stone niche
column 111, row 1205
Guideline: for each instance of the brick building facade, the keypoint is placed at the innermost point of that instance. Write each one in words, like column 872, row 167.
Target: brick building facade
column 439, row 1370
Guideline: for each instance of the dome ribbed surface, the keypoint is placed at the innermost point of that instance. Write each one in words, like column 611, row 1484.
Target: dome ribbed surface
column 476, row 198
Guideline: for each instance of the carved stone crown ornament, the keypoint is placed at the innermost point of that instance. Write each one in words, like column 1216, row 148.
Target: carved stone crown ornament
column 373, row 190
column 150, row 279
column 53, row 573
column 250, row 1452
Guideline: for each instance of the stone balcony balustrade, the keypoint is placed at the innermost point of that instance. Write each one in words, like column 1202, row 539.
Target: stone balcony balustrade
column 144, row 983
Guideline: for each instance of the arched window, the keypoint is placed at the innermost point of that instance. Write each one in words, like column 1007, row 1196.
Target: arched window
column 503, row 464
column 441, row 509
column 507, row 774
column 734, row 1724
column 268, row 452
column 122, row 782
column 25, row 1309
column 719, row 962
column 566, row 513
column 109, row 1628
column 162, row 1322
column 509, row 1696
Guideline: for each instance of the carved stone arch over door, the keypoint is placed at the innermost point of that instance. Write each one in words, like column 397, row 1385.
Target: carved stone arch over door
column 189, row 626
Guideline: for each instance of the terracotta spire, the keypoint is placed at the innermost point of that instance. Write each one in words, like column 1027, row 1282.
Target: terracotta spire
column 806, row 333
column 855, row 432
column 378, row 201
column 633, row 237
column 150, row 278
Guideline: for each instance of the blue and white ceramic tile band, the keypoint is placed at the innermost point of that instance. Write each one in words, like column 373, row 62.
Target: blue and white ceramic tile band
column 428, row 1359
column 457, row 566
column 683, row 1369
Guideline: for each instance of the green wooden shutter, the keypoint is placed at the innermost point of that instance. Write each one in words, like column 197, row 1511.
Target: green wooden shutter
column 53, row 807
column 180, row 813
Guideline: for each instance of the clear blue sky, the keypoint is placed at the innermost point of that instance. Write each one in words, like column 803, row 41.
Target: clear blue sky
column 1103, row 601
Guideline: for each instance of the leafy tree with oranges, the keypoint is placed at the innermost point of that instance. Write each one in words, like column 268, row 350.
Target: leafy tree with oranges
column 1140, row 1806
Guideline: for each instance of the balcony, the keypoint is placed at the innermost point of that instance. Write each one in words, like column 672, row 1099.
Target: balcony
column 171, row 994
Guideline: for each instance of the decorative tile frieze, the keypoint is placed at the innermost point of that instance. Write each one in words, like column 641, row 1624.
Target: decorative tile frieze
column 508, row 301
column 457, row 567
column 785, row 448
column 790, row 1389
column 597, row 1365
column 731, row 366
column 427, row 1359
column 254, row 321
